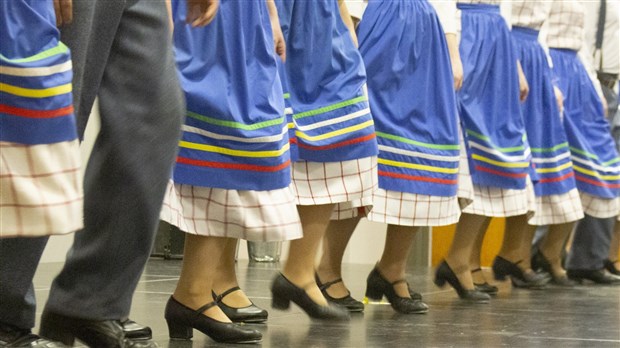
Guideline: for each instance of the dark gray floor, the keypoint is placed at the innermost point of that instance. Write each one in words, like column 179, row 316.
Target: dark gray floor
column 586, row 316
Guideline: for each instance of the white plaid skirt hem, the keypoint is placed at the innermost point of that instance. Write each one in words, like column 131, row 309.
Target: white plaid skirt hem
column 41, row 189
column 500, row 202
column 251, row 215
column 557, row 209
column 599, row 207
column 351, row 182
column 410, row 209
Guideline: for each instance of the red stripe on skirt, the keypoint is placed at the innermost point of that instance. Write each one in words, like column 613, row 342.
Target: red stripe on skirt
column 31, row 113
column 235, row 166
column 559, row 178
column 336, row 145
column 596, row 183
column 418, row 178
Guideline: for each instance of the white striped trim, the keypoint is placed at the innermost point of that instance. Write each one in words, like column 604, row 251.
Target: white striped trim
column 551, row 160
column 506, row 158
column 419, row 154
column 31, row 72
column 332, row 121
column 267, row 139
column 596, row 166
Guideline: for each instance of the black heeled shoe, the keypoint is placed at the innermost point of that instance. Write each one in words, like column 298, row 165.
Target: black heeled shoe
column 444, row 274
column 611, row 267
column 485, row 287
column 284, row 292
column 539, row 261
column 348, row 302
column 249, row 314
column 529, row 280
column 377, row 287
column 182, row 319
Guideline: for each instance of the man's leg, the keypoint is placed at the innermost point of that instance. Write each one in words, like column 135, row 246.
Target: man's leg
column 141, row 111
column 590, row 248
column 19, row 258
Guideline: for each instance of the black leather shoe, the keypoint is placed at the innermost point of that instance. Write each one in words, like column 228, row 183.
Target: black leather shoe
column 563, row 281
column 611, row 268
column 249, row 314
column 284, row 292
column 135, row 331
column 444, row 274
column 485, row 287
column 596, row 276
column 95, row 333
column 348, row 302
column 377, row 287
column 503, row 268
column 11, row 336
column 182, row 320
column 59, row 327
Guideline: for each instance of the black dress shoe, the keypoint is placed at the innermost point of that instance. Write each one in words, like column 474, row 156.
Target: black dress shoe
column 377, row 287
column 563, row 281
column 611, row 267
column 100, row 334
column 135, row 331
column 503, row 268
column 284, row 292
column 249, row 314
column 182, row 320
column 11, row 336
column 596, row 276
column 485, row 287
column 444, row 274
column 348, row 302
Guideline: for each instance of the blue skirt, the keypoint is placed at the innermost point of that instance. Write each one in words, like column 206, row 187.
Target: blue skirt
column 489, row 100
column 326, row 77
column 553, row 171
column 235, row 134
column 36, row 100
column 411, row 90
column 595, row 160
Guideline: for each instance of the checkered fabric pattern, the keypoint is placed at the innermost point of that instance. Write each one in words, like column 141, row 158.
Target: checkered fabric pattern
column 557, row 209
column 410, row 209
column 565, row 25
column 485, row 2
column 599, row 207
column 529, row 14
column 351, row 181
column 41, row 189
column 251, row 215
column 499, row 202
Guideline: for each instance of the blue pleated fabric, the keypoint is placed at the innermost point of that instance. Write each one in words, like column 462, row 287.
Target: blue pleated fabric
column 235, row 135
column 326, row 77
column 489, row 100
column 595, row 160
column 411, row 91
column 553, row 171
column 36, row 101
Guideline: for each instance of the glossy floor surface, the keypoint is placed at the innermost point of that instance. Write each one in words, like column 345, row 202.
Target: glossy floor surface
column 585, row 316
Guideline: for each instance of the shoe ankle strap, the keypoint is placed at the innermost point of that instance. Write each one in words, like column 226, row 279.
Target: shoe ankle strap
column 205, row 307
column 326, row 285
column 220, row 297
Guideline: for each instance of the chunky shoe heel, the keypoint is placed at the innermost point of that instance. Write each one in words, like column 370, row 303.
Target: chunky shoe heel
column 284, row 292
column 503, row 268
column 179, row 331
column 181, row 319
column 444, row 274
column 373, row 293
column 280, row 303
column 440, row 282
